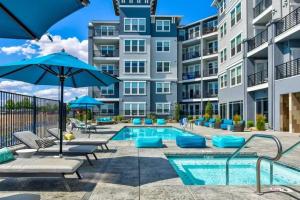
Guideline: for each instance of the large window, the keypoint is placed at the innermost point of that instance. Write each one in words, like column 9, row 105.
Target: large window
column 134, row 88
column 107, row 30
column 223, row 110
column 107, row 68
column 213, row 88
column 223, row 30
column 236, row 14
column 163, row 87
column 213, row 68
column 163, row 46
column 107, row 109
column 107, row 50
column 223, row 55
column 194, row 32
column 163, row 66
column 134, row 25
column 223, row 81
column 135, row 109
column 236, row 76
column 262, row 107
column 235, row 108
column 135, row 46
column 163, row 108
column 134, row 67
column 110, row 90
column 163, row 25
column 236, row 45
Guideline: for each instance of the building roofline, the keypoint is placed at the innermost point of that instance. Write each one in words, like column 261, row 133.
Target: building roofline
column 199, row 21
column 153, row 6
column 105, row 21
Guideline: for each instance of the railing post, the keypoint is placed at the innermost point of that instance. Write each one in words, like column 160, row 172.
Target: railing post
column 34, row 115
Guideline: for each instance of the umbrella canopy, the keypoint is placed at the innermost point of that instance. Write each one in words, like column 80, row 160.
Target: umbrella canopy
column 57, row 69
column 30, row 19
column 85, row 100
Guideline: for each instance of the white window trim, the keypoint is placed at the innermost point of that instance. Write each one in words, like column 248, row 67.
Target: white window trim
column 163, row 72
column 107, row 27
column 163, row 108
column 236, row 84
column 163, row 84
column 132, row 31
column 235, row 44
column 235, row 15
column 163, row 21
column 163, row 41
column 138, row 92
column 137, row 52
column 220, row 78
column 108, row 104
column 145, row 61
column 106, row 88
column 137, row 103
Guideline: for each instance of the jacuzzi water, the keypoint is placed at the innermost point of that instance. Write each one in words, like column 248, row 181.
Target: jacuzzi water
column 242, row 171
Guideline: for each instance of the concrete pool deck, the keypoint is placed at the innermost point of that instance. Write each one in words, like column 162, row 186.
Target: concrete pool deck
column 125, row 172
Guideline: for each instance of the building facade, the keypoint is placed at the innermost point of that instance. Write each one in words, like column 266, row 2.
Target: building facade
column 159, row 62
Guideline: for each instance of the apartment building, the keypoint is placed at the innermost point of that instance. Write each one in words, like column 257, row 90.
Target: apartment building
column 270, row 64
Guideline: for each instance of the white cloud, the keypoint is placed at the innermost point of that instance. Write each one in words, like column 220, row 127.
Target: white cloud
column 13, row 86
column 69, row 93
column 25, row 50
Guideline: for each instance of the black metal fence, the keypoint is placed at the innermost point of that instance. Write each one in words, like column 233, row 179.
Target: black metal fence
column 21, row 112
column 288, row 22
column 258, row 40
column 258, row 78
column 288, row 69
column 261, row 7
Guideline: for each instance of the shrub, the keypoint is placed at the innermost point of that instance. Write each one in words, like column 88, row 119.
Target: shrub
column 177, row 112
column 236, row 118
column 190, row 117
column 218, row 119
column 206, row 116
column 250, row 123
column 260, row 122
column 209, row 109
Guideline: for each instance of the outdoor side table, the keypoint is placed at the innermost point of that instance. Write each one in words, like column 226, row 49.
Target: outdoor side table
column 26, row 153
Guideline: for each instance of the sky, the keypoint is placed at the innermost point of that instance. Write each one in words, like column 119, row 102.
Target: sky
column 71, row 34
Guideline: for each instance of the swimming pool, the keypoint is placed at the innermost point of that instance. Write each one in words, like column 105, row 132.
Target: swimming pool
column 166, row 133
column 242, row 171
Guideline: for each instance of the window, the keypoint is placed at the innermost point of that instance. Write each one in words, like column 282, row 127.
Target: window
column 163, row 66
column 236, row 76
column 262, row 107
column 163, row 87
column 194, row 32
column 135, row 109
column 223, row 81
column 110, row 90
column 223, row 55
column 135, row 46
column 212, row 47
column 236, row 14
column 107, row 50
column 107, row 109
column 235, row 108
column 134, row 88
column 223, row 110
column 223, row 30
column 134, row 25
column 107, row 30
column 236, row 45
column 107, row 68
column 213, row 88
column 213, row 68
column 163, row 108
column 134, row 67
column 163, row 25
column 162, row 46
column 222, row 6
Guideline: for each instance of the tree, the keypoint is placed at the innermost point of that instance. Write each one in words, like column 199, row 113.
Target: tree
column 10, row 104
column 209, row 109
column 177, row 112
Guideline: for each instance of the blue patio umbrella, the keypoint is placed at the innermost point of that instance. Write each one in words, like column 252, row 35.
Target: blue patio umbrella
column 57, row 69
column 30, row 19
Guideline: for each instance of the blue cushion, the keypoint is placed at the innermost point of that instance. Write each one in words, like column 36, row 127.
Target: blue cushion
column 148, row 121
column 137, row 121
column 206, row 124
column 148, row 142
column 6, row 155
column 226, row 123
column 161, row 122
column 212, row 120
column 191, row 141
column 104, row 119
column 228, row 141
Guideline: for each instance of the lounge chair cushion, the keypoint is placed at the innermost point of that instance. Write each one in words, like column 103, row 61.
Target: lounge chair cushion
column 44, row 143
column 137, row 121
column 6, row 155
column 148, row 121
column 149, row 142
column 104, row 119
column 41, row 165
column 71, row 149
column 161, row 122
column 28, row 138
column 228, row 141
column 191, row 141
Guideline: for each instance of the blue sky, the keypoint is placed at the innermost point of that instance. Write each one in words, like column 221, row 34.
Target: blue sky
column 71, row 34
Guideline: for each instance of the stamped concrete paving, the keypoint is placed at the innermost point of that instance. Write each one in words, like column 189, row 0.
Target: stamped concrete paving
column 125, row 172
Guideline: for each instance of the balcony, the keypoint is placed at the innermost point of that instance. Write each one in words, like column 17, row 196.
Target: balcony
column 191, row 96
column 261, row 7
column 258, row 78
column 190, row 55
column 114, row 73
column 210, row 72
column 106, row 54
column 210, row 51
column 191, row 75
column 257, row 40
column 288, row 22
column 288, row 69
column 101, row 33
column 211, row 94
column 208, row 30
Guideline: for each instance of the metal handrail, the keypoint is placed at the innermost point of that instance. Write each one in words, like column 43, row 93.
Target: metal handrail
column 291, row 148
column 277, row 157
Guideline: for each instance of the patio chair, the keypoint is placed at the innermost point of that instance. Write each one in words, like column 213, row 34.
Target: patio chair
column 161, row 122
column 137, row 121
column 148, row 122
column 105, row 121
column 29, row 139
column 78, row 125
column 79, row 141
column 184, row 123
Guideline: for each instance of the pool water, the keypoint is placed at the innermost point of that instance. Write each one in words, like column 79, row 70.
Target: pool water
column 242, row 171
column 166, row 133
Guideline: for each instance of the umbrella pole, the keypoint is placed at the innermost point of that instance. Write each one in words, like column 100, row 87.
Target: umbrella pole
column 62, row 79
column 86, row 115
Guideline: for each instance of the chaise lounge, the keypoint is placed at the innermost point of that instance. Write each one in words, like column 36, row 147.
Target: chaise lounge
column 29, row 139
column 105, row 121
column 210, row 123
column 227, row 124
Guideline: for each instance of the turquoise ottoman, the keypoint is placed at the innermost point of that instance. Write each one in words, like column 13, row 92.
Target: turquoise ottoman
column 148, row 142
column 228, row 141
column 161, row 122
column 191, row 141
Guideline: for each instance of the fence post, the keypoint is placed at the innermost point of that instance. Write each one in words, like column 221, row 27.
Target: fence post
column 34, row 117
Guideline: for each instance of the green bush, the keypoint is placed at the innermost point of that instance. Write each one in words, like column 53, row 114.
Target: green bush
column 260, row 122
column 209, row 109
column 236, row 119
column 250, row 123
column 218, row 119
column 177, row 112
column 190, row 117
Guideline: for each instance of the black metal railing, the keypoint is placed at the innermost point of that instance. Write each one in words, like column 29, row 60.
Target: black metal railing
column 210, row 51
column 210, row 72
column 25, row 113
column 99, row 53
column 261, row 7
column 258, row 78
column 191, row 95
column 258, row 40
column 190, row 55
column 288, row 69
column 208, row 30
column 288, row 22
column 191, row 75
column 101, row 33
column 193, row 35
column 111, row 72
column 210, row 94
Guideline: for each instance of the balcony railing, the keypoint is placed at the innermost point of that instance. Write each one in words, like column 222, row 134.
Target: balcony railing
column 208, row 30
column 289, row 69
column 210, row 72
column 258, row 40
column 288, row 22
column 190, row 55
column 210, row 51
column 261, row 7
column 191, row 96
column 193, row 35
column 99, row 53
column 191, row 75
column 111, row 72
column 101, row 33
column 211, row 94
column 258, row 78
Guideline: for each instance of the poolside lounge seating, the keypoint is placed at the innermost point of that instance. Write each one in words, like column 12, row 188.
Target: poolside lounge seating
column 41, row 167
column 184, row 123
column 78, row 125
column 29, row 139
column 191, row 141
column 148, row 122
column 210, row 123
column 227, row 123
column 148, row 142
column 161, row 122
column 105, row 121
column 200, row 121
column 137, row 121
column 228, row 141
column 80, row 141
